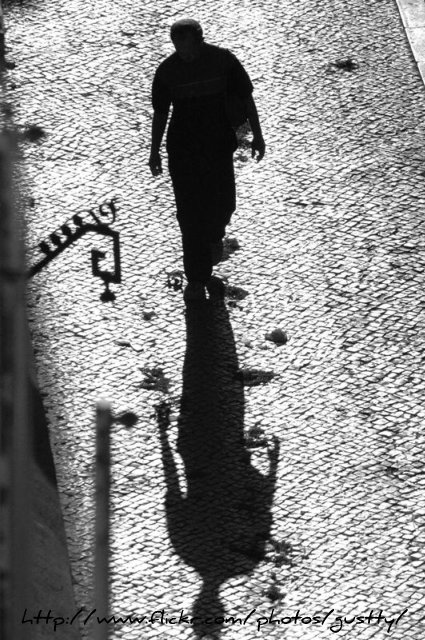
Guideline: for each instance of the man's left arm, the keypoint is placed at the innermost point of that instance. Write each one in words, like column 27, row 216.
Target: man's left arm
column 257, row 144
column 240, row 82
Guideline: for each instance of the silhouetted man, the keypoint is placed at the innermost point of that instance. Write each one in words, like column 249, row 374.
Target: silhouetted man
column 197, row 80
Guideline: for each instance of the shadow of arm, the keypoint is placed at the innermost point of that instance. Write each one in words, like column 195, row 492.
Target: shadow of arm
column 273, row 453
column 170, row 470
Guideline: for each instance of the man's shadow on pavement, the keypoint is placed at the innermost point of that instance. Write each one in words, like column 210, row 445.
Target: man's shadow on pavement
column 220, row 525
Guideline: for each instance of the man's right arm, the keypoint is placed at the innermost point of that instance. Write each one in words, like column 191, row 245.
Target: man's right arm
column 159, row 123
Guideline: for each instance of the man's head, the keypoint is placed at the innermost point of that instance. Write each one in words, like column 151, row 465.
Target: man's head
column 187, row 38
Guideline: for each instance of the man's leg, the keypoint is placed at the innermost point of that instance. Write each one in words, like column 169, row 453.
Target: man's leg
column 196, row 250
column 225, row 204
column 196, row 256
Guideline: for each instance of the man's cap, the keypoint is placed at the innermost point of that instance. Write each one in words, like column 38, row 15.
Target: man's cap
column 185, row 24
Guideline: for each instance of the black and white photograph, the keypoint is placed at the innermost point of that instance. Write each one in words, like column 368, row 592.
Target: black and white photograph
column 212, row 319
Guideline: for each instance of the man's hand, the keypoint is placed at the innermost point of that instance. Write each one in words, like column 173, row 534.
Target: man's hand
column 155, row 164
column 258, row 145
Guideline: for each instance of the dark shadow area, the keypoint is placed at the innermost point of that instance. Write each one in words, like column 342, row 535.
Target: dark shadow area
column 220, row 525
column 19, row 3
column 41, row 444
column 48, row 571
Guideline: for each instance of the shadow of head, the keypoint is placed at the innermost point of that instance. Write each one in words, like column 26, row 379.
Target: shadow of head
column 220, row 525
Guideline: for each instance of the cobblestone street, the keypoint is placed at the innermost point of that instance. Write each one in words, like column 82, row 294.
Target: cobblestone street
column 305, row 489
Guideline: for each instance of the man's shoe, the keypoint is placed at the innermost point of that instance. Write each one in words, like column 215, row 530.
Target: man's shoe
column 216, row 249
column 215, row 288
column 194, row 291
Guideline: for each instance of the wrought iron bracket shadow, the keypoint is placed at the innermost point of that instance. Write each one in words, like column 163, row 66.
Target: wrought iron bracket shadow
column 96, row 220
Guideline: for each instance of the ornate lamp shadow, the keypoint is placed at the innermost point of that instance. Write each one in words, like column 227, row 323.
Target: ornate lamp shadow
column 76, row 228
column 221, row 525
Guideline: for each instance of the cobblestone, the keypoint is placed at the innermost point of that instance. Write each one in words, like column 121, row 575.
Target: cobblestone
column 329, row 233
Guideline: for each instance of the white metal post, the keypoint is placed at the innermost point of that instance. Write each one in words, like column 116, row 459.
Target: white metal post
column 103, row 427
